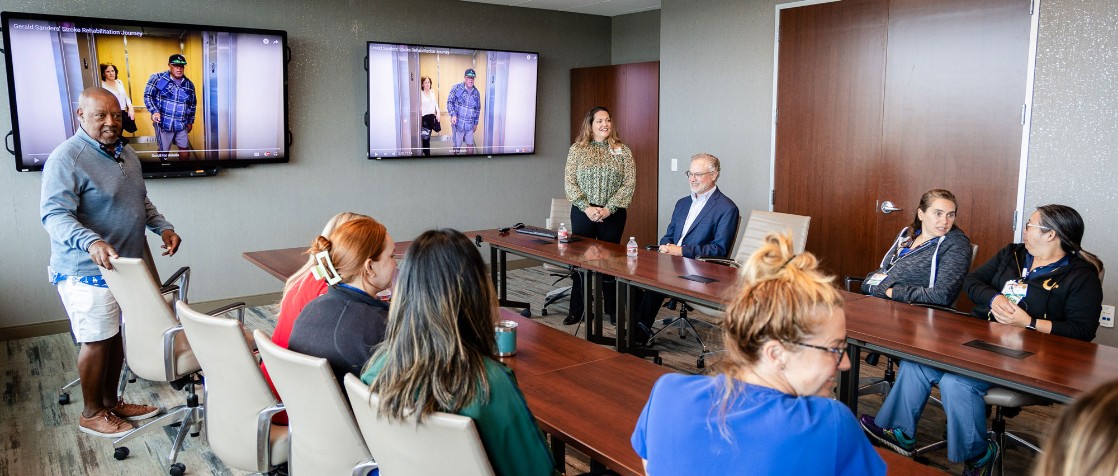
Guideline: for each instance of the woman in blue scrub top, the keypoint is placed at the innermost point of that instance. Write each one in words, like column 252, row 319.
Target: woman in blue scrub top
column 768, row 412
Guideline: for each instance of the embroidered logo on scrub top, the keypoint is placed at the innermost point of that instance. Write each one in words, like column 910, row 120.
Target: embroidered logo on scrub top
column 1049, row 285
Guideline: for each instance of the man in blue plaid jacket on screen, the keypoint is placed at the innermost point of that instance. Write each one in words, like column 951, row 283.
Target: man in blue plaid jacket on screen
column 170, row 98
column 464, row 106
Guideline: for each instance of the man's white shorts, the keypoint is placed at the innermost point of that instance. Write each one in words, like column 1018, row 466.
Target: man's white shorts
column 94, row 313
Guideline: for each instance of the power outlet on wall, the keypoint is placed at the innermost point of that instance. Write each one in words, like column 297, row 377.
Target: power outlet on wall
column 1106, row 318
column 675, row 165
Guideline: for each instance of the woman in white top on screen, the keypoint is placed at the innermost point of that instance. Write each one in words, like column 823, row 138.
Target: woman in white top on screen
column 429, row 109
column 110, row 81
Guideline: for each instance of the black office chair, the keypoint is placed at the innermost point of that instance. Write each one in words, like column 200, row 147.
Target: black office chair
column 560, row 213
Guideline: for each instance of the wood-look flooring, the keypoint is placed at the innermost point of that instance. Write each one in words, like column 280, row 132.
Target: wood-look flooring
column 40, row 437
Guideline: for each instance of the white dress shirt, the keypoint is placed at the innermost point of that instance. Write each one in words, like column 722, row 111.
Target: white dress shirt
column 698, row 201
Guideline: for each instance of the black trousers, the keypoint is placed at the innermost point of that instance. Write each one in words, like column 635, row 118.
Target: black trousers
column 428, row 121
column 611, row 230
column 649, row 303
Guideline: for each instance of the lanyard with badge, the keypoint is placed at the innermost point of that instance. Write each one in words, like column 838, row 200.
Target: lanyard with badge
column 1015, row 289
column 877, row 278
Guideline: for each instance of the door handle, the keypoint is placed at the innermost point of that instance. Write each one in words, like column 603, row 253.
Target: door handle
column 887, row 207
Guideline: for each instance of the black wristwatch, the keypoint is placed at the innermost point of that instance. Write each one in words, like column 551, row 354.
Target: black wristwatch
column 1032, row 324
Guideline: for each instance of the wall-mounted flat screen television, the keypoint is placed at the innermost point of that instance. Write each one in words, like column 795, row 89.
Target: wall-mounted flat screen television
column 430, row 101
column 199, row 96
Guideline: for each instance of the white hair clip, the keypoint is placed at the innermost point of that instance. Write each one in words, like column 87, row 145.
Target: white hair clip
column 325, row 268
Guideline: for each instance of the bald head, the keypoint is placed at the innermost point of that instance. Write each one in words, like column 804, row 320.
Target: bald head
column 99, row 115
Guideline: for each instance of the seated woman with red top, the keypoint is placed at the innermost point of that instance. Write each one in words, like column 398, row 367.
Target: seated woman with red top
column 301, row 288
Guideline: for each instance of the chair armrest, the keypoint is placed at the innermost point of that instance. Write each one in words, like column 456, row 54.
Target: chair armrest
column 237, row 306
column 849, row 282
column 169, row 352
column 181, row 279
column 264, row 435
column 722, row 261
column 364, row 468
column 940, row 308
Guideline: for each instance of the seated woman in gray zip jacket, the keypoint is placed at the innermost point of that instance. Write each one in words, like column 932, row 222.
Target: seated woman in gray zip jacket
column 928, row 260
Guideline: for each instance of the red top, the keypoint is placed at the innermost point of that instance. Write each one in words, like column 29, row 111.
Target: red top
column 304, row 291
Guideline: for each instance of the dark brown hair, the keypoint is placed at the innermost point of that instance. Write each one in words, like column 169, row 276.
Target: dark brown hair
column 1069, row 228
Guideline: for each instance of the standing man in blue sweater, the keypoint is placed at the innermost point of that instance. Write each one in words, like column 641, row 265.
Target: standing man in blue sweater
column 94, row 206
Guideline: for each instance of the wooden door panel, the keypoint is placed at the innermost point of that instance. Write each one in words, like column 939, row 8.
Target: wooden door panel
column 955, row 84
column 829, row 96
column 632, row 94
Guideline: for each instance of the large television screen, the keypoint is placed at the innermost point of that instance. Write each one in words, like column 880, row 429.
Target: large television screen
column 226, row 106
column 431, row 101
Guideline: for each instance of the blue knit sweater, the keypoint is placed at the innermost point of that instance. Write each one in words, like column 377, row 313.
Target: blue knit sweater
column 87, row 196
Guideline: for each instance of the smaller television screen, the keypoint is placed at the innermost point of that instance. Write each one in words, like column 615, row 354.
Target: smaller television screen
column 193, row 97
column 432, row 101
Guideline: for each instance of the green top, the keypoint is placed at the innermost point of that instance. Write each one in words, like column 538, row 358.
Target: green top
column 597, row 175
column 513, row 442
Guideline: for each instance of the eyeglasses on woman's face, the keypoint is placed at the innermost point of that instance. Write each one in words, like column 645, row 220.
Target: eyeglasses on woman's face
column 839, row 352
column 1034, row 225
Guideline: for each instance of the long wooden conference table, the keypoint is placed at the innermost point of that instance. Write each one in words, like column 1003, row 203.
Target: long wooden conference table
column 573, row 388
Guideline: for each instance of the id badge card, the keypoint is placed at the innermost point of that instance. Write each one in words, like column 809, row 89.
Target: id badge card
column 876, row 279
column 1015, row 291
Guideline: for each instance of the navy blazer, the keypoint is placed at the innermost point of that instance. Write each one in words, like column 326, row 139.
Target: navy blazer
column 712, row 233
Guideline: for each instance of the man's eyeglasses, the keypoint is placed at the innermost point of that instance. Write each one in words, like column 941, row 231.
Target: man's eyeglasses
column 838, row 351
column 1042, row 227
column 690, row 174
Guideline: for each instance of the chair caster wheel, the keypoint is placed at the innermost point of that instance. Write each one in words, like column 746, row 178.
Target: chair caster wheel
column 527, row 312
column 701, row 363
column 543, row 312
column 120, row 453
column 63, row 398
column 657, row 360
column 178, row 469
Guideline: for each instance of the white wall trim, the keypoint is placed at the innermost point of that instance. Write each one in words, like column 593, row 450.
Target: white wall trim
column 1026, row 129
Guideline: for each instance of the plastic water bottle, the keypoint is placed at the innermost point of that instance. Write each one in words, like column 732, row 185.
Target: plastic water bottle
column 631, row 248
column 562, row 233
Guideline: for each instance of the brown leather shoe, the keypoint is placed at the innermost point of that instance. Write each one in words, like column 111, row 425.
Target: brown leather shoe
column 132, row 411
column 105, row 424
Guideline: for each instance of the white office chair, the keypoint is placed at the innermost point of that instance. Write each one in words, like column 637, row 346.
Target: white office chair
column 760, row 224
column 173, row 288
column 560, row 213
column 442, row 444
column 326, row 439
column 239, row 404
column 156, row 349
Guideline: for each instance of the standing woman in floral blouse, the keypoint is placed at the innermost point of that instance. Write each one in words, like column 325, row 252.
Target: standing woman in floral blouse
column 599, row 180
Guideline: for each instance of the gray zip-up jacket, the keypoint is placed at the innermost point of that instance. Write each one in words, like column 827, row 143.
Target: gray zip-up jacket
column 932, row 273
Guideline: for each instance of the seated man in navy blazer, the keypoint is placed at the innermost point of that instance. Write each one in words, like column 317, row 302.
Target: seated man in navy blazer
column 703, row 224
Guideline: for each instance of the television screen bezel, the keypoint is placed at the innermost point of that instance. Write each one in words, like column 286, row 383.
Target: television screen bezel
column 151, row 169
column 368, row 92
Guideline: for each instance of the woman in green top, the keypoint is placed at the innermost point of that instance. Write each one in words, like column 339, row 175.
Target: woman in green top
column 438, row 354
column 599, row 180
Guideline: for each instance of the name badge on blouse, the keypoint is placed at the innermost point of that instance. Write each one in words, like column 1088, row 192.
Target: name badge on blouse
column 616, row 151
column 876, row 279
column 1015, row 291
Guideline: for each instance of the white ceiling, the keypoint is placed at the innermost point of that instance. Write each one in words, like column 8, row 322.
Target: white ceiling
column 607, row 8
